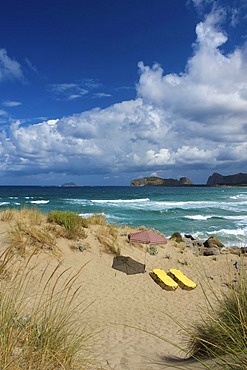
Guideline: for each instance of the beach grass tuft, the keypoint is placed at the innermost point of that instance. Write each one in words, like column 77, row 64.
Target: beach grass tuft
column 108, row 238
column 7, row 215
column 39, row 328
column 96, row 219
column 221, row 333
column 71, row 221
column 25, row 236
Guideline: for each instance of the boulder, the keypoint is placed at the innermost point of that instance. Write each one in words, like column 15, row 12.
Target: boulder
column 188, row 236
column 213, row 242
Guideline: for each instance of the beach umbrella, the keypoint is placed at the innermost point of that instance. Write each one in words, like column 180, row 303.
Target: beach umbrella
column 147, row 237
column 127, row 265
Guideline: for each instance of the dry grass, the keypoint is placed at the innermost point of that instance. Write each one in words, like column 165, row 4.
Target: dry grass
column 40, row 331
column 7, row 215
column 96, row 219
column 221, row 333
column 26, row 237
column 108, row 238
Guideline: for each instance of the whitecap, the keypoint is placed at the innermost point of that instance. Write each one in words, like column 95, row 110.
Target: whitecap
column 198, row 217
column 86, row 215
column 4, row 203
column 120, row 201
column 39, row 201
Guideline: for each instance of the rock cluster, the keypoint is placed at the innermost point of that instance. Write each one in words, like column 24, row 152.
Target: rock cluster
column 211, row 247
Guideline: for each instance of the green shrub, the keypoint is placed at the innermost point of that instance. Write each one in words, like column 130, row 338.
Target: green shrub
column 177, row 237
column 72, row 223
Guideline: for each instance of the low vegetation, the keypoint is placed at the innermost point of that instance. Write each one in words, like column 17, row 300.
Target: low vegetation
column 96, row 219
column 108, row 238
column 72, row 223
column 25, row 237
column 39, row 328
column 221, row 334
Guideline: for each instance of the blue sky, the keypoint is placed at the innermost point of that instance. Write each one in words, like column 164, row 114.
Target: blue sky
column 101, row 92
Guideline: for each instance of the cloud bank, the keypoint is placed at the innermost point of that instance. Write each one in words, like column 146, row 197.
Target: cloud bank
column 178, row 123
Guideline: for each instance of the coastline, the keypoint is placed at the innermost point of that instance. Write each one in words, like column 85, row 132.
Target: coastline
column 199, row 211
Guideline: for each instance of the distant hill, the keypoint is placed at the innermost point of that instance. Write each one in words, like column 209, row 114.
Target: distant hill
column 231, row 180
column 158, row 181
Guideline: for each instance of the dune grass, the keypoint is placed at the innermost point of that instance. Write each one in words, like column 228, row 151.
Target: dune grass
column 72, row 223
column 108, row 238
column 25, row 237
column 39, row 327
column 96, row 219
column 221, row 334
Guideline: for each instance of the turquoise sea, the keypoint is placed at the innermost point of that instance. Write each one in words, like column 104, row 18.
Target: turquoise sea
column 200, row 211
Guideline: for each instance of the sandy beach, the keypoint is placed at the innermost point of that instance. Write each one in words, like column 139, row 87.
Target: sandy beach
column 129, row 314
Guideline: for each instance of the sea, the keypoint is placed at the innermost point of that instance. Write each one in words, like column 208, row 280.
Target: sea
column 199, row 211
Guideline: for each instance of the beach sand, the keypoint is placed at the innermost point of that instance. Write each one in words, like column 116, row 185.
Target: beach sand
column 131, row 313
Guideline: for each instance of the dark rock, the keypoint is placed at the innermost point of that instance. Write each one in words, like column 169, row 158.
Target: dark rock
column 188, row 236
column 230, row 180
column 213, row 242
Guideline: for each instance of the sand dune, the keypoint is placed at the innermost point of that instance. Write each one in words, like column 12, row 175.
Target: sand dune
column 130, row 312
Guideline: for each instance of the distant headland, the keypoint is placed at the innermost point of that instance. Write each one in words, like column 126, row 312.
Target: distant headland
column 239, row 179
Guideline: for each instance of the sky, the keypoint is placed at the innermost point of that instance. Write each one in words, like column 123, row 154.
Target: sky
column 101, row 92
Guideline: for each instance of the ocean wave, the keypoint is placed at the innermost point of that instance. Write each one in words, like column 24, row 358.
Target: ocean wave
column 120, row 201
column 39, row 201
column 198, row 217
column 186, row 205
column 237, row 218
column 228, row 237
column 86, row 215
column 239, row 196
column 4, row 203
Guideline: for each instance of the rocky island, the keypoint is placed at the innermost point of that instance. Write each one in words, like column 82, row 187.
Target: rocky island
column 158, row 181
column 239, row 179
